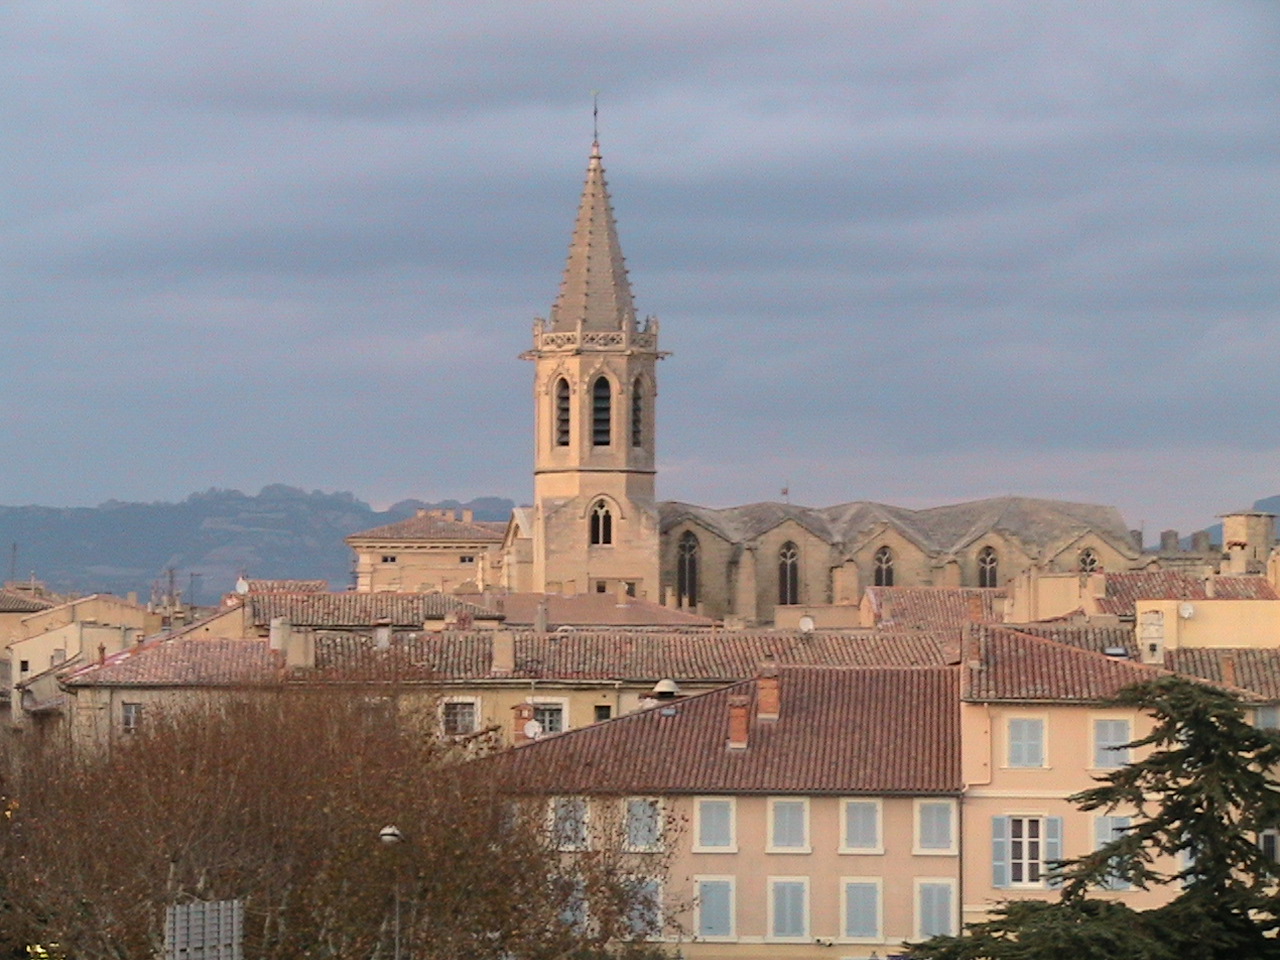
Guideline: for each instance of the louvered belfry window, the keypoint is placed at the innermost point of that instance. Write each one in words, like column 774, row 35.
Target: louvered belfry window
column 601, row 413
column 562, row 412
column 637, row 413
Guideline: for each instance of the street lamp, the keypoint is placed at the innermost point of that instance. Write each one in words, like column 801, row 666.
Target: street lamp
column 391, row 836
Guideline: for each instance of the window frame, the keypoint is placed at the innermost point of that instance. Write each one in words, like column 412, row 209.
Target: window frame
column 772, row 846
column 659, row 914
column 771, row 936
column 878, row 806
column 882, row 562
column 449, row 701
column 561, row 413
column 788, row 574
column 988, row 567
column 1113, row 828
column 600, row 523
column 553, row 823
column 1042, row 720
column 918, row 885
column 698, row 845
column 1124, row 755
column 601, row 412
column 917, row 819
column 1050, row 840
column 729, row 881
column 659, row 813
column 543, row 703
column 132, row 714
column 688, row 549
column 877, row 883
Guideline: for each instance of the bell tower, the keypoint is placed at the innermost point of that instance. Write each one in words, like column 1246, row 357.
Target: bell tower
column 595, row 526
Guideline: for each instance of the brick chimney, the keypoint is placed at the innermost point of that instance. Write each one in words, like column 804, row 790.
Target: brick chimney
column 975, row 608
column 503, row 663
column 739, row 722
column 768, row 692
column 468, row 516
column 522, row 716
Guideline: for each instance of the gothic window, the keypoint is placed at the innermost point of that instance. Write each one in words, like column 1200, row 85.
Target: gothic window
column 601, row 524
column 687, row 570
column 1088, row 561
column 637, row 413
column 988, row 567
column 562, row 412
column 788, row 574
column 601, row 412
column 884, row 567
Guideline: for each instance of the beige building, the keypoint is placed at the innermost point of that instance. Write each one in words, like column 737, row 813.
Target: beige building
column 436, row 551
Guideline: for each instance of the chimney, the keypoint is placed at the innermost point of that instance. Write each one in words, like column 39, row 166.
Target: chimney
column 102, row 653
column 768, row 693
column 278, row 637
column 975, row 608
column 540, row 616
column 1200, row 542
column 1168, row 541
column 468, row 516
column 382, row 635
column 1229, row 669
column 1136, row 537
column 739, row 722
column 522, row 718
column 503, row 662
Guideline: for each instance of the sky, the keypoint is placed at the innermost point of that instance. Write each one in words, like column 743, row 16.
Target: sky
column 909, row 252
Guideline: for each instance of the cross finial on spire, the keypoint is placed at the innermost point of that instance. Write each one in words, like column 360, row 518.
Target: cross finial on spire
column 595, row 118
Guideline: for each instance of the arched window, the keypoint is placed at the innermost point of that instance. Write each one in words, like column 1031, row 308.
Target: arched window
column 884, row 567
column 601, row 524
column 687, row 570
column 988, row 567
column 601, row 412
column 637, row 413
column 562, row 412
column 1088, row 561
column 788, row 574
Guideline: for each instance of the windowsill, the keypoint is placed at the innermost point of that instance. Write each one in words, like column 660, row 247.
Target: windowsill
column 800, row 939
column 732, row 849
column 657, row 848
column 1025, row 769
column 701, row 938
column 794, row 850
column 934, row 852
column 876, row 940
column 861, row 851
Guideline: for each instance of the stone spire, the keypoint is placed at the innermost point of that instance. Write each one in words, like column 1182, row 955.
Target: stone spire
column 595, row 294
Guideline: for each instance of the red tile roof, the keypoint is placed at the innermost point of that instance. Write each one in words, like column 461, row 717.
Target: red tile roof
column 589, row 609
column 923, row 608
column 431, row 526
column 1124, row 589
column 184, row 662
column 12, row 601
column 355, row 610
column 1252, row 669
column 287, row 586
column 869, row 731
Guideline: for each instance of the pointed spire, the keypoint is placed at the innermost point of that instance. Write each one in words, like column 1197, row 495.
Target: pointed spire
column 595, row 292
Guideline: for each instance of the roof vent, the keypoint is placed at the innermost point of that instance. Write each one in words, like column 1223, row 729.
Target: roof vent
column 1117, row 653
column 666, row 689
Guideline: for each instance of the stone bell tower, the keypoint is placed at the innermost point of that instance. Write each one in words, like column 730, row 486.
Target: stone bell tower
column 595, row 526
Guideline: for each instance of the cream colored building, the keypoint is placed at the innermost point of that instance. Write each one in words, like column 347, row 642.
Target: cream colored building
column 436, row 551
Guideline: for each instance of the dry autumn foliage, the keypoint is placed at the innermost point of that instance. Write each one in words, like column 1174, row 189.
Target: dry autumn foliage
column 277, row 798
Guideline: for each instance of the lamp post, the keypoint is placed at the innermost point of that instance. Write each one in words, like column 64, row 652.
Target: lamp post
column 391, row 836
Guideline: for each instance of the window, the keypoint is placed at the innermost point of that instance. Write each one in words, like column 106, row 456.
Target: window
column 861, row 827
column 1026, row 742
column 550, row 716
column 1106, row 829
column 603, row 711
column 788, row 574
column 715, row 823
column 1088, row 561
column 714, row 908
column 935, row 826
column 1022, row 849
column 458, row 717
column 601, row 412
column 644, row 913
column 24, row 666
column 882, row 573
column 988, row 567
column 789, row 908
column 130, row 717
column 687, row 570
column 637, row 413
column 573, row 913
column 789, row 826
column 1267, row 718
column 562, row 413
column 1268, row 842
column 630, row 587
column 602, row 586
column 935, row 908
column 643, row 823
column 1109, row 739
column 601, row 524
column 466, row 559
column 861, row 910
column 569, row 823
column 388, row 558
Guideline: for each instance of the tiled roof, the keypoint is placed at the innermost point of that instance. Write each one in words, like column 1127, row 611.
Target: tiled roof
column 590, row 609
column 1124, row 589
column 1086, row 636
column 632, row 656
column 839, row 731
column 431, row 526
column 184, row 662
column 354, row 610
column 1041, row 526
column 13, row 602
column 1003, row 664
column 287, row 586
column 1252, row 669
column 917, row 608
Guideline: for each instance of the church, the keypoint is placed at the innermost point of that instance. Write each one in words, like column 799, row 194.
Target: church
column 596, row 526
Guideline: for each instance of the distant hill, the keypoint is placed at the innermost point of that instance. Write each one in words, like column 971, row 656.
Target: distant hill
column 215, row 536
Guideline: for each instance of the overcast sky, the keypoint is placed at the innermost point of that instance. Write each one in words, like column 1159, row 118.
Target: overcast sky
column 907, row 252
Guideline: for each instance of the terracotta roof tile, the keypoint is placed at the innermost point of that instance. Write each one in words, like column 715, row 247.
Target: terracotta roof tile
column 431, row 526
column 1086, row 636
column 287, row 586
column 355, row 610
column 922, row 608
column 839, row 731
column 12, row 601
column 1124, row 589
column 184, row 662
column 590, row 609
column 1252, row 669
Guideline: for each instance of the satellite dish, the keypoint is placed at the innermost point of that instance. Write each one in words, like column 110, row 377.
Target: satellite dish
column 807, row 624
column 533, row 730
column 1186, row 611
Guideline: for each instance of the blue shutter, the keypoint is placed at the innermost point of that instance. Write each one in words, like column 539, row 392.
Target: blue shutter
column 861, row 911
column 1106, row 829
column 715, row 908
column 1052, row 844
column 999, row 851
